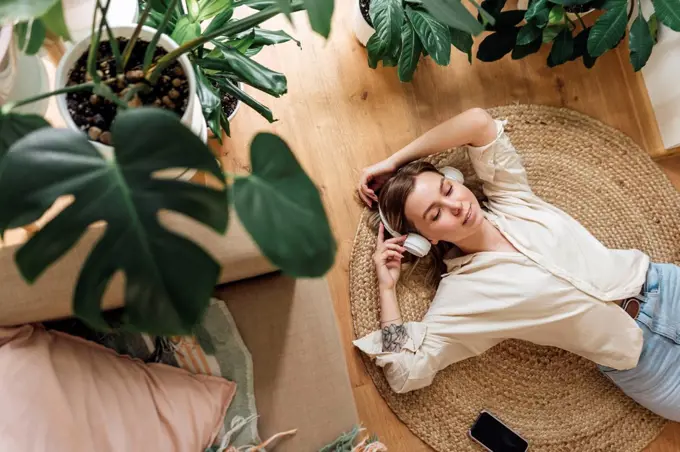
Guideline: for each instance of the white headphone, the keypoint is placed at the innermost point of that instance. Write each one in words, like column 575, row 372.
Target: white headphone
column 416, row 244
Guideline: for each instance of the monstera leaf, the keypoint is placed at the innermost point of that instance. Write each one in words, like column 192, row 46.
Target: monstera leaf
column 169, row 279
column 282, row 210
column 23, row 9
column 14, row 126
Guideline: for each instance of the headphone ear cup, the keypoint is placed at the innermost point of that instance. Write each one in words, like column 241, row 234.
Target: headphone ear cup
column 417, row 245
column 452, row 173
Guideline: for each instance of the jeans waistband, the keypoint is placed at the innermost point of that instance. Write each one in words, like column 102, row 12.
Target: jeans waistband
column 652, row 282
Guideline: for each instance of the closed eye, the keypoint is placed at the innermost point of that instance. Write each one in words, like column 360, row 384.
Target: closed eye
column 437, row 215
column 450, row 190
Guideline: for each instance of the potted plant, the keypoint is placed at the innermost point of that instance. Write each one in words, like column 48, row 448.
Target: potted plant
column 398, row 32
column 224, row 64
column 169, row 278
column 362, row 25
column 19, row 52
column 7, row 63
column 559, row 23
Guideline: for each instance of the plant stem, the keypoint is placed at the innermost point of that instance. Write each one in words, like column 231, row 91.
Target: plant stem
column 154, row 72
column 113, row 42
column 484, row 13
column 135, row 35
column 151, row 48
column 94, row 43
column 65, row 90
column 133, row 90
column 475, row 4
column 96, row 39
column 630, row 10
column 231, row 177
column 580, row 19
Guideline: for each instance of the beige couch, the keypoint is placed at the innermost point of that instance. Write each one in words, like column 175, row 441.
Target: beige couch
column 301, row 380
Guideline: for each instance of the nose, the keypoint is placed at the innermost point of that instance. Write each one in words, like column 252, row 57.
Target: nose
column 455, row 206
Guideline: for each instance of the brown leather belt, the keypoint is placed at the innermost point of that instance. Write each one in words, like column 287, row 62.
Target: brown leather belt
column 631, row 306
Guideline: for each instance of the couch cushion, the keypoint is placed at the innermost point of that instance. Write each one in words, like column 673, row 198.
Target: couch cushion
column 301, row 379
column 62, row 393
column 50, row 297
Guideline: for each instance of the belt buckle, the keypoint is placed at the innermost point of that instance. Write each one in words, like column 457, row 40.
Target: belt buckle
column 632, row 307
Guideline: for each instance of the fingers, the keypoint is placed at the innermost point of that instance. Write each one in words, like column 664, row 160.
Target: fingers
column 386, row 251
column 369, row 192
column 393, row 264
column 394, row 247
column 363, row 197
column 396, row 240
column 366, row 194
column 365, row 177
column 390, row 254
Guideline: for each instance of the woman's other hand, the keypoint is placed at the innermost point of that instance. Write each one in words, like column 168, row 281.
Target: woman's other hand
column 387, row 259
column 372, row 178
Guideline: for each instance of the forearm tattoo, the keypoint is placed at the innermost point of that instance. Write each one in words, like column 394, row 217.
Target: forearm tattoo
column 394, row 337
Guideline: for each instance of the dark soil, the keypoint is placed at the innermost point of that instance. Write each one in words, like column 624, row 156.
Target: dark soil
column 93, row 114
column 365, row 6
column 578, row 8
column 229, row 103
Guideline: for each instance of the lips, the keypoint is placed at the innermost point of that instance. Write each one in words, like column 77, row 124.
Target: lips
column 469, row 214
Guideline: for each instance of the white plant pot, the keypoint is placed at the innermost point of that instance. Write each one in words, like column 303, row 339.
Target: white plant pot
column 192, row 118
column 8, row 67
column 78, row 15
column 21, row 75
column 362, row 30
column 233, row 113
column 229, row 118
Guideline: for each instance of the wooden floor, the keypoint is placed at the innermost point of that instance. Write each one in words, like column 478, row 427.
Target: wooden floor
column 340, row 116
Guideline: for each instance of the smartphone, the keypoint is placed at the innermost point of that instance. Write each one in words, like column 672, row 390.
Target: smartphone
column 495, row 436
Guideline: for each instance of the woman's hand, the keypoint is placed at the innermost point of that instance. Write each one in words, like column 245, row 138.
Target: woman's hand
column 372, row 178
column 387, row 259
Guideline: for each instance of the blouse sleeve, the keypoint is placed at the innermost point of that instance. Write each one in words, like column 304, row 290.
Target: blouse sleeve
column 420, row 358
column 499, row 166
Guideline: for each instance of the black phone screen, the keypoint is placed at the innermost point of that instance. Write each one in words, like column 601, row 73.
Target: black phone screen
column 495, row 436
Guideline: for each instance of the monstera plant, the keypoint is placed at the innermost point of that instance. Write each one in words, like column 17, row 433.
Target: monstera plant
column 169, row 278
column 559, row 23
column 34, row 22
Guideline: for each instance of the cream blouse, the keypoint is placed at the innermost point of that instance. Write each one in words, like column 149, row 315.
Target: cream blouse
column 558, row 291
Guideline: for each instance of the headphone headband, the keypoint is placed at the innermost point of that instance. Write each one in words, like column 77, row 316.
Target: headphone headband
column 386, row 224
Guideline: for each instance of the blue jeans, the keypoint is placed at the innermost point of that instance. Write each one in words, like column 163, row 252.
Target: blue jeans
column 655, row 382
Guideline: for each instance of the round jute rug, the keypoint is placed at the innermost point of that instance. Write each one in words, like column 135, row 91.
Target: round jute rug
column 558, row 401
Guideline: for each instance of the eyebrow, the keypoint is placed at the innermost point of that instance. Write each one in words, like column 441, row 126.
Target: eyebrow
column 441, row 186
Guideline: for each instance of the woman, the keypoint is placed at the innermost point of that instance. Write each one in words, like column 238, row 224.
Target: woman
column 526, row 270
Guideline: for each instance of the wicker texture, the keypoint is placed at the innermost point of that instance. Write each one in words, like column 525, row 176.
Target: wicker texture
column 557, row 400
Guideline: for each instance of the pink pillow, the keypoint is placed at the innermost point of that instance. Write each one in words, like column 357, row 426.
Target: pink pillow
column 61, row 393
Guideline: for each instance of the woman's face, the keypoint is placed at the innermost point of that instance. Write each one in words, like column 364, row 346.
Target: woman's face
column 442, row 209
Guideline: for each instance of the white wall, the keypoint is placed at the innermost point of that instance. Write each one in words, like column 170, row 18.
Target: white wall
column 662, row 77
